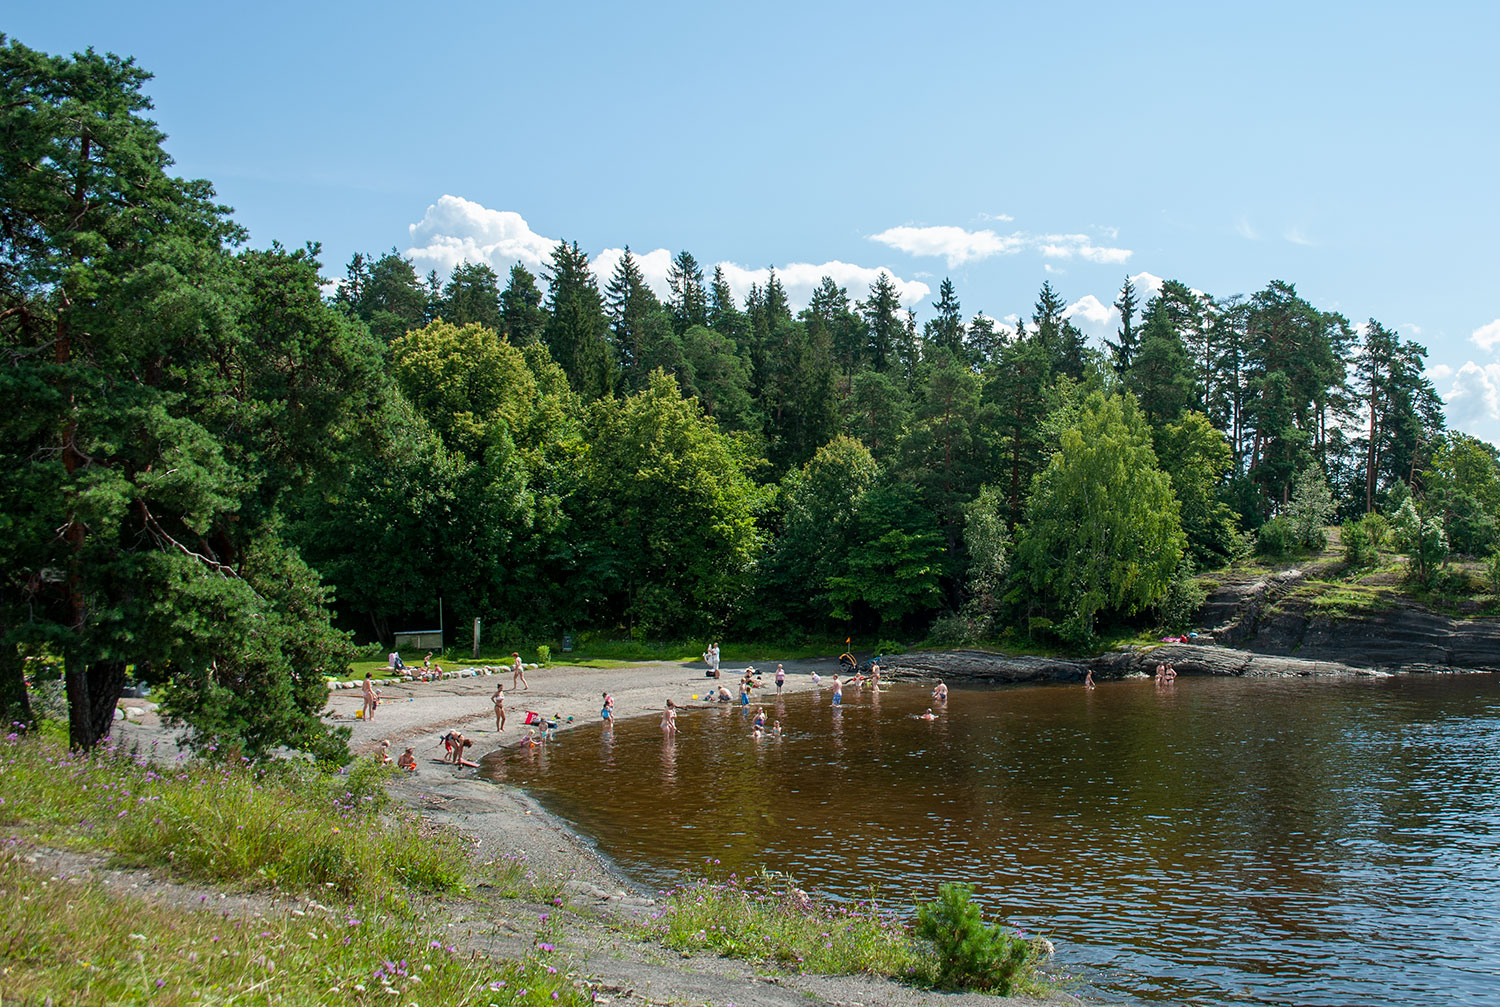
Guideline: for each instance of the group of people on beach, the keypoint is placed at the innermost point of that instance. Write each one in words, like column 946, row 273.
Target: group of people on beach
column 1165, row 674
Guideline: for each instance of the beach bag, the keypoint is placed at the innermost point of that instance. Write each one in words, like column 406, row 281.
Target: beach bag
column 532, row 717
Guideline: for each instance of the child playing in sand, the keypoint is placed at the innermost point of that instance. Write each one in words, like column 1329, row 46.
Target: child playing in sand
column 407, row 761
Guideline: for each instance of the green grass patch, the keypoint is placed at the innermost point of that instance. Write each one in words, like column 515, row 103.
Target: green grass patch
column 1341, row 600
column 289, row 825
column 765, row 918
column 72, row 942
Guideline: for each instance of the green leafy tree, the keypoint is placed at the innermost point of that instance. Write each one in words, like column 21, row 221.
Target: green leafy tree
column 877, row 413
column 1102, row 533
column 1463, row 488
column 1197, row 458
column 1311, row 509
column 669, row 515
column 894, row 568
column 1420, row 537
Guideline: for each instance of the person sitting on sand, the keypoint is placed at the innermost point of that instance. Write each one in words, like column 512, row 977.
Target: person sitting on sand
column 407, row 761
column 940, row 693
column 816, row 678
column 384, row 755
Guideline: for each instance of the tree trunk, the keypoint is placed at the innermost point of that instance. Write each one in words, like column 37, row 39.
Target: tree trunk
column 93, row 694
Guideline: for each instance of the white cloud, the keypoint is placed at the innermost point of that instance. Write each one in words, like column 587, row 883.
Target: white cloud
column 1439, row 372
column 1296, row 237
column 653, row 266
column 1147, row 281
column 455, row 230
column 1486, row 337
column 1065, row 246
column 801, row 278
column 1096, row 313
column 1474, row 396
column 959, row 245
column 953, row 243
column 1245, row 229
column 1002, row 217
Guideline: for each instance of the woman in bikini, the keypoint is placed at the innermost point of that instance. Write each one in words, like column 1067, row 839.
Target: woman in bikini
column 517, row 672
column 669, row 719
column 499, row 700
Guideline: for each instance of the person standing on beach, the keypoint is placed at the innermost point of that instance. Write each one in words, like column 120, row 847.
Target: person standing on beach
column 499, row 700
column 517, row 671
column 371, row 700
column 713, row 658
column 780, row 678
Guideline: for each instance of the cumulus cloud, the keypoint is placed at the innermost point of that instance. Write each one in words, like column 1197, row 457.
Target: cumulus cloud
column 653, row 266
column 801, row 278
column 1150, row 282
column 959, row 245
column 955, row 244
column 1487, row 337
column 455, row 230
column 1474, row 395
column 1098, row 315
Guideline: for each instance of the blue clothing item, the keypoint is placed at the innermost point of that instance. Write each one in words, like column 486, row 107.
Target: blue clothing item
column 604, row 712
column 744, row 699
column 838, row 699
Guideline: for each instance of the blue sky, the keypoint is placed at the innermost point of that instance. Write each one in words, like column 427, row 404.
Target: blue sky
column 1351, row 149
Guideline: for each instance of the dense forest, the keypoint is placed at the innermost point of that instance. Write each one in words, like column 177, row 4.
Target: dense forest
column 217, row 472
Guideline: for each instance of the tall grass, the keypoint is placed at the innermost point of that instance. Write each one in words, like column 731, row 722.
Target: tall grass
column 70, row 942
column 290, row 826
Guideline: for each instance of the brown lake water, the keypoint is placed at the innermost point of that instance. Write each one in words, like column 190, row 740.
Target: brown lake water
column 1330, row 842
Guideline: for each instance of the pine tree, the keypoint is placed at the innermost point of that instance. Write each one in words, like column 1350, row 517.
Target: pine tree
column 884, row 326
column 472, row 294
column 1122, row 350
column 946, row 329
column 577, row 331
column 687, row 299
column 522, row 317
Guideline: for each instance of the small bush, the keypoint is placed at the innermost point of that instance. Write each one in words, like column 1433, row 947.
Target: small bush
column 1275, row 538
column 1362, row 539
column 889, row 647
column 971, row 954
column 543, row 654
column 1184, row 597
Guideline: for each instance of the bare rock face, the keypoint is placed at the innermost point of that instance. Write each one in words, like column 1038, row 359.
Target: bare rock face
column 1188, row 659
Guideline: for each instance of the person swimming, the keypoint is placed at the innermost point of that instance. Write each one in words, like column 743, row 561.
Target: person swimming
column 929, row 715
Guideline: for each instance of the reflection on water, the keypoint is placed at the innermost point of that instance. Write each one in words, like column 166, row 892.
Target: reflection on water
column 1308, row 842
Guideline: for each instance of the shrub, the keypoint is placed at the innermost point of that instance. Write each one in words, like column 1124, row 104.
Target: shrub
column 1184, row 597
column 543, row 653
column 971, row 954
column 1492, row 572
column 1275, row 538
column 1362, row 539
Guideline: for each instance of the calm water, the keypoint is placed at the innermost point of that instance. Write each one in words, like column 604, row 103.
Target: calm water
column 1216, row 841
